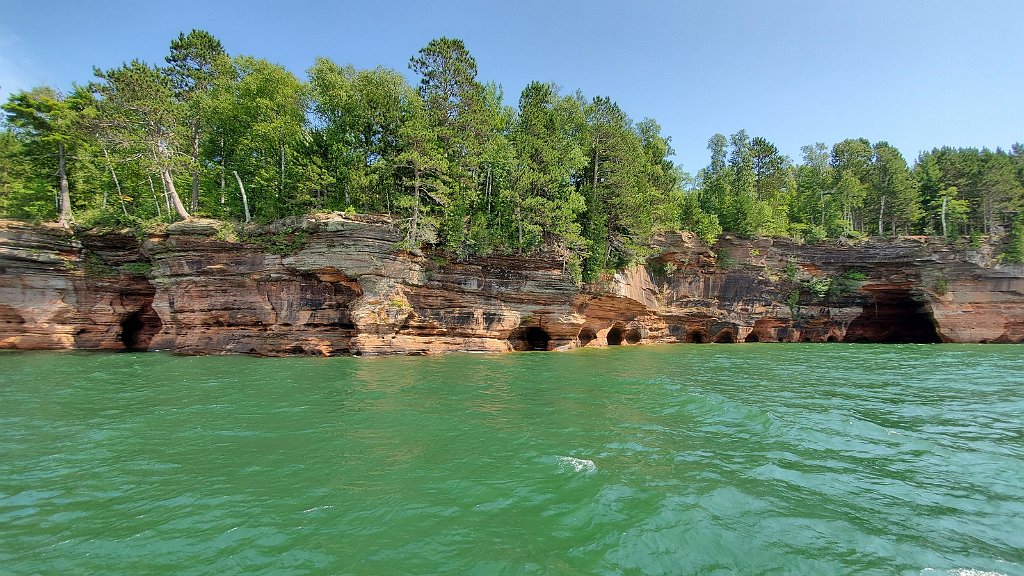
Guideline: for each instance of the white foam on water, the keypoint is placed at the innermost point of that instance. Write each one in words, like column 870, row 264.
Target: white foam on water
column 576, row 465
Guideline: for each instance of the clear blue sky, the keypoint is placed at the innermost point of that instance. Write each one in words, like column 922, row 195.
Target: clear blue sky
column 918, row 74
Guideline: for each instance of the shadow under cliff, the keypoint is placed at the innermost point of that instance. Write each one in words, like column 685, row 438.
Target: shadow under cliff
column 895, row 315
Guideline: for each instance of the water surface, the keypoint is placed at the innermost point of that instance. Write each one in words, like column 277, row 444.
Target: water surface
column 686, row 459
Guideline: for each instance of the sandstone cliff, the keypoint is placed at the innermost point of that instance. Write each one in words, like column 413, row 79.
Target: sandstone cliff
column 333, row 285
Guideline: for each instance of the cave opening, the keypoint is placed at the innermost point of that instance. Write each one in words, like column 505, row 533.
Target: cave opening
column 536, row 338
column 138, row 329
column 752, row 337
column 615, row 336
column 586, row 336
column 696, row 337
column 633, row 337
column 725, row 337
column 896, row 317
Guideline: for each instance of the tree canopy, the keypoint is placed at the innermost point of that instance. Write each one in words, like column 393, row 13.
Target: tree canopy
column 452, row 163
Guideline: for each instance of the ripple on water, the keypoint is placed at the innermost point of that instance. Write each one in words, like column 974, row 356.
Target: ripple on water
column 758, row 459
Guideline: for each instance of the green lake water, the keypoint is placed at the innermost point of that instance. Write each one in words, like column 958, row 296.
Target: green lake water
column 685, row 459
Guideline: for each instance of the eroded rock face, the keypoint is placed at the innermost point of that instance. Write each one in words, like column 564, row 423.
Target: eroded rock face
column 336, row 285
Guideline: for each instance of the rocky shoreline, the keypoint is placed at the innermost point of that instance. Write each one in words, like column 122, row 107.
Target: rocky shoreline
column 331, row 285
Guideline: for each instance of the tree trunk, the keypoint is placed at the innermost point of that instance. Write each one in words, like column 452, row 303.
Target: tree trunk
column 945, row 200
column 519, row 224
column 195, row 167
column 281, row 185
column 245, row 199
column 155, row 196
column 488, row 190
column 65, row 195
column 223, row 170
column 415, row 209
column 179, row 208
column 117, row 184
column 881, row 213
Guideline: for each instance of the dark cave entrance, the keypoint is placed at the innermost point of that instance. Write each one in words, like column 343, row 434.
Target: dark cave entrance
column 633, row 337
column 138, row 329
column 586, row 336
column 537, row 338
column 615, row 336
column 696, row 337
column 752, row 337
column 895, row 316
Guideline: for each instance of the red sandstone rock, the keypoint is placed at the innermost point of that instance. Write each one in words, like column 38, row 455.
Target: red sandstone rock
column 347, row 288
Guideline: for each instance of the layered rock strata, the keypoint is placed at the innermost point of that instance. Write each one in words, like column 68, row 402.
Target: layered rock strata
column 332, row 285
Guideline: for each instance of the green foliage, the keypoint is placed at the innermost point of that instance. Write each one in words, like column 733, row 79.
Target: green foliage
column 854, row 276
column 137, row 268
column 793, row 300
column 975, row 239
column 459, row 171
column 818, row 287
column 1014, row 250
column 284, row 242
column 105, row 220
column 810, row 233
column 692, row 217
column 226, row 232
column 792, row 270
column 724, row 259
column 95, row 266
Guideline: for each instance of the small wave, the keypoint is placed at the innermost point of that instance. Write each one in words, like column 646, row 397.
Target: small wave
column 576, row 465
column 964, row 572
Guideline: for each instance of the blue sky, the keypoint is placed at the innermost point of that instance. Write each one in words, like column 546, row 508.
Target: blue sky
column 917, row 74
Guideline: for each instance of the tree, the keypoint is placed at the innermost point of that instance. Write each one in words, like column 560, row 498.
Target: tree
column 773, row 185
column 195, row 60
column 358, row 115
column 896, row 192
column 815, row 182
column 45, row 119
column 22, row 193
column 140, row 116
column 259, row 114
column 453, row 101
column 548, row 153
column 851, row 160
column 746, row 215
column 715, row 186
column 420, row 164
column 1000, row 191
column 621, row 213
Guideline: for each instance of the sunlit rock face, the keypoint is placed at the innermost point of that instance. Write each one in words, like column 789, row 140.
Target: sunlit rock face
column 332, row 285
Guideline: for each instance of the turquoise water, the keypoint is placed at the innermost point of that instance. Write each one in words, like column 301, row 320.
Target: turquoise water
column 686, row 459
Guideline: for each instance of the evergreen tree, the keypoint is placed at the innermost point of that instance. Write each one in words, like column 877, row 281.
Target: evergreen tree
column 195, row 62
column 46, row 120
